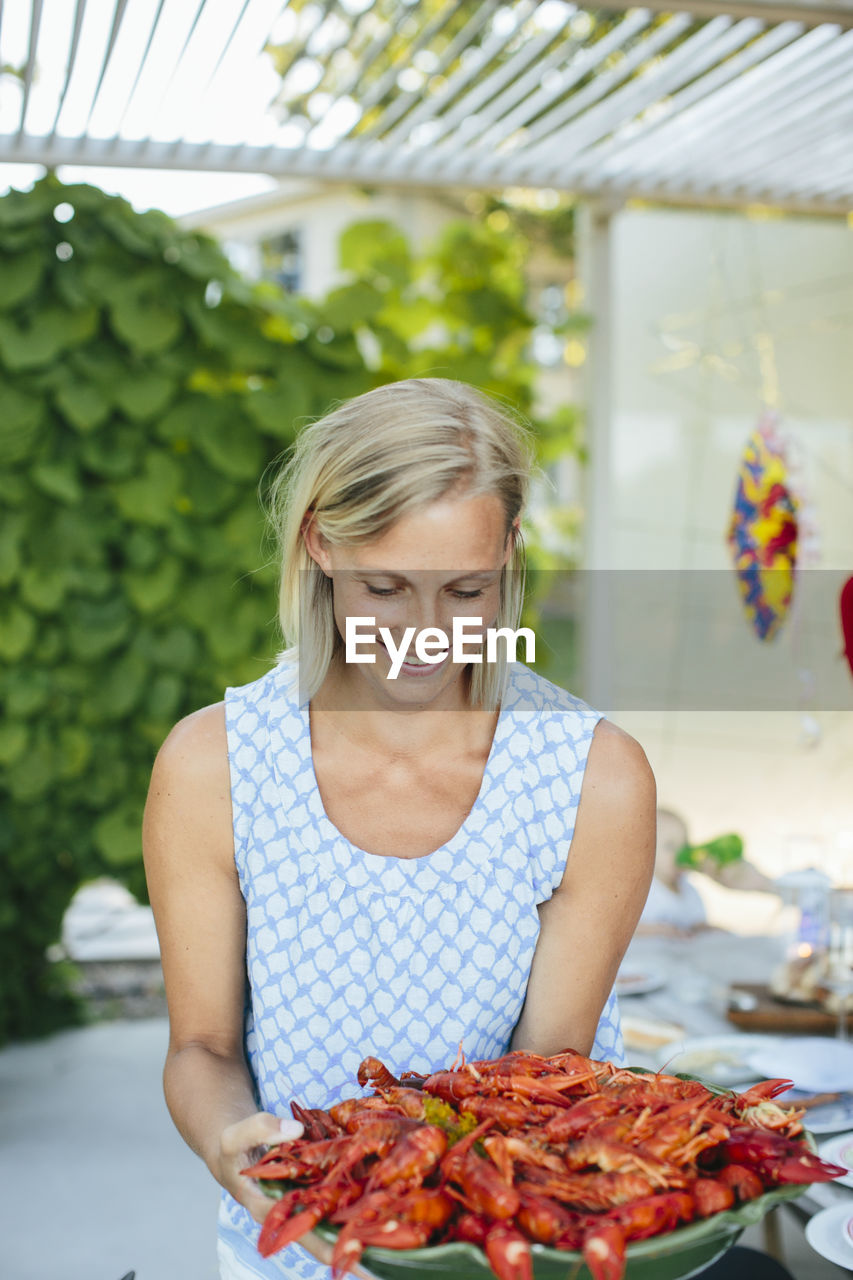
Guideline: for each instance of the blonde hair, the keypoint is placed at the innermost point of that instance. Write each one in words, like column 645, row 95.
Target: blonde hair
column 373, row 459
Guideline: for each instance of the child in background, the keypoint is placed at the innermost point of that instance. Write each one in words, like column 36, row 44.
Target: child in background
column 674, row 906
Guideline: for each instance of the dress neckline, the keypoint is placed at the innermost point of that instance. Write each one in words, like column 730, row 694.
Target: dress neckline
column 444, row 851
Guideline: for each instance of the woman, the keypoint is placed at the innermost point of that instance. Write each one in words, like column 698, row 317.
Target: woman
column 341, row 863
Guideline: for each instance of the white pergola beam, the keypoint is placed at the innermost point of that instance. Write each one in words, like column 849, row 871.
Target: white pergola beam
column 682, row 106
column 779, row 110
column 545, row 139
column 707, row 128
column 667, row 131
column 701, row 50
column 543, row 99
column 810, row 15
column 30, row 66
column 610, row 155
column 282, row 162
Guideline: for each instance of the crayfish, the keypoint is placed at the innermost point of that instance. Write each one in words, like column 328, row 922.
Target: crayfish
column 562, row 1151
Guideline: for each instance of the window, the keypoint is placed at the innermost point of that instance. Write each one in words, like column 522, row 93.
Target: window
column 281, row 259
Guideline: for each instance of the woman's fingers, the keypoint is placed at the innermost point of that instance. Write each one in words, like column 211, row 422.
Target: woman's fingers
column 241, row 1145
column 261, row 1129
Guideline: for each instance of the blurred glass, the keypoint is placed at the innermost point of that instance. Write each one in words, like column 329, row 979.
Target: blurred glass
column 839, row 976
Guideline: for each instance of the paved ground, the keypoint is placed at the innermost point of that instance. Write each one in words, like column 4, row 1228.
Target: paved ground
column 97, row 1182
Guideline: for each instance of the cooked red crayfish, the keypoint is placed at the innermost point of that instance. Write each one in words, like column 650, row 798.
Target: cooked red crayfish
column 564, row 1151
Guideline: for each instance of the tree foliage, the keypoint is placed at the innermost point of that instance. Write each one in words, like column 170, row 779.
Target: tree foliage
column 146, row 388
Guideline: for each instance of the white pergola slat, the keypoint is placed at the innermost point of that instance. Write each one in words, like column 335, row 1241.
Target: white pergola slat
column 703, row 101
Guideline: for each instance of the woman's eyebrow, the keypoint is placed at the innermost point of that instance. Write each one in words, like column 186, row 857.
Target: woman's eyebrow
column 475, row 575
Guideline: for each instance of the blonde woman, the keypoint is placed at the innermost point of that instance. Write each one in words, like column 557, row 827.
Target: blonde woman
column 343, row 863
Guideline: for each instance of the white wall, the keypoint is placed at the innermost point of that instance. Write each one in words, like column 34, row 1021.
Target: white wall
column 321, row 214
column 698, row 297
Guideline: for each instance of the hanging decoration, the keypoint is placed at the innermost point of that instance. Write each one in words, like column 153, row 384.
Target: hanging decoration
column 846, row 604
column 763, row 530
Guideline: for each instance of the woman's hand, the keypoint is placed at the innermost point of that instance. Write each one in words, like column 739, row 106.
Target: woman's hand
column 242, row 1144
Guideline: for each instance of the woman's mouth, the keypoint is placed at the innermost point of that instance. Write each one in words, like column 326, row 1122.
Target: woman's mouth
column 414, row 667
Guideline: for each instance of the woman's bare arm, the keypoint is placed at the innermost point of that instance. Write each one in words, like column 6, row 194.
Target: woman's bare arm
column 201, row 922
column 188, row 846
column 587, row 924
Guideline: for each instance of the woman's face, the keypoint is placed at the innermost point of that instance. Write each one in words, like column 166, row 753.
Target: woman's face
column 437, row 563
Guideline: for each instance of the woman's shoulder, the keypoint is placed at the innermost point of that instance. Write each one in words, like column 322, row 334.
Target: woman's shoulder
column 616, row 763
column 196, row 750
column 550, row 702
column 279, row 686
column 188, row 814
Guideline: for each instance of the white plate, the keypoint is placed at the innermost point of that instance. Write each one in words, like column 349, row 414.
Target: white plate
column 812, row 1062
column 721, row 1059
column 839, row 1150
column 831, row 1117
column 830, row 1233
column 633, row 982
column 648, row 1034
column 829, row 1194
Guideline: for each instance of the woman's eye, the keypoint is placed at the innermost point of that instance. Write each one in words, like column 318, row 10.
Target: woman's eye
column 468, row 595
column 382, row 591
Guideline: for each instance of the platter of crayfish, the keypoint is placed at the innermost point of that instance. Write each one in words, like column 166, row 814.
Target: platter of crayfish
column 534, row 1168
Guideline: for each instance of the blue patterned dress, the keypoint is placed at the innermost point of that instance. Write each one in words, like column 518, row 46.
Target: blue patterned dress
column 350, row 953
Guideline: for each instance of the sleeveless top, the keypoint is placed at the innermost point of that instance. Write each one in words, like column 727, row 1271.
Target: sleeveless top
column 351, row 953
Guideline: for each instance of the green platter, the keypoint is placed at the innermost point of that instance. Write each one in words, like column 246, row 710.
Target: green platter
column 674, row 1256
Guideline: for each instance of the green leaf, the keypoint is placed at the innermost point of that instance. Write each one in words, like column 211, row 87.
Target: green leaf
column 119, row 689
column 231, row 446
column 231, row 635
column 150, row 498
column 28, row 691
column 75, row 751
column 82, row 404
column 97, row 627
column 17, row 631
column 143, row 548
column 144, row 323
column 20, row 276
column 58, row 480
column 11, row 529
column 14, row 740
column 207, row 492
column 51, row 331
column 145, row 395
column 149, row 590
column 20, row 422
column 200, row 256
column 279, row 408
column 163, row 696
column 14, row 488
column 129, row 229
column 175, row 648
column 18, row 208
column 115, row 454
column 351, row 305
column 341, row 350
column 33, row 775
column 375, row 247
column 178, row 423
column 118, row 835
column 234, row 334
column 44, row 589
column 408, row 317
column 108, row 783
